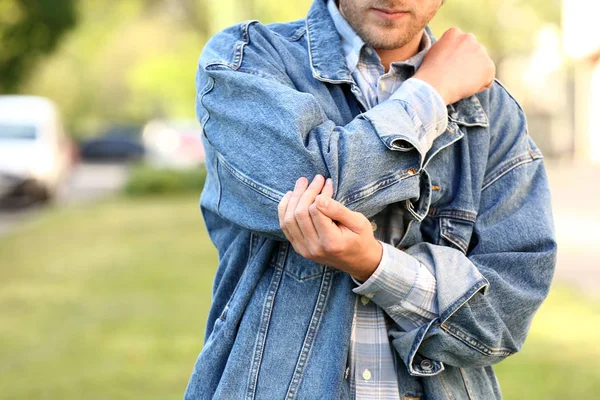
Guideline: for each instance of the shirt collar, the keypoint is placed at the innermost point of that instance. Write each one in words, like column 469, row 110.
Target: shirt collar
column 328, row 65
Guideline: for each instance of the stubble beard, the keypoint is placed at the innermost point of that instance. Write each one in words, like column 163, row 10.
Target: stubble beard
column 377, row 38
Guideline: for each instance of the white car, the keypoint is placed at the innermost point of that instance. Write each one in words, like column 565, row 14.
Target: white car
column 34, row 150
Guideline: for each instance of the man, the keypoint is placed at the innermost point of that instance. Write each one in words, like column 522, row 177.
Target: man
column 382, row 218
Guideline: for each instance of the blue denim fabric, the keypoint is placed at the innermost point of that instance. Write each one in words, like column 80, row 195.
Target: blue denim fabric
column 276, row 102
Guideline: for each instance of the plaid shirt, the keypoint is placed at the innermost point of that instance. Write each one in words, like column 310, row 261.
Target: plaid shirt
column 401, row 293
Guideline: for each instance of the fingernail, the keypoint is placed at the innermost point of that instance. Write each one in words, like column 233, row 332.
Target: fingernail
column 287, row 195
column 329, row 182
column 298, row 183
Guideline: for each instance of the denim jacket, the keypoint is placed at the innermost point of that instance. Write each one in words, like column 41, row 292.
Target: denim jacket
column 277, row 102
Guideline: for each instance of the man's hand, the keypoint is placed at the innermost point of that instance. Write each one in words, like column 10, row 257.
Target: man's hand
column 457, row 66
column 324, row 231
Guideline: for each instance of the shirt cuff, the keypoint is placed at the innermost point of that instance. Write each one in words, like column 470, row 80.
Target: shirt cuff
column 404, row 288
column 426, row 108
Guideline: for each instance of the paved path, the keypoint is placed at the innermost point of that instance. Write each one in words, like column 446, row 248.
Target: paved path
column 87, row 182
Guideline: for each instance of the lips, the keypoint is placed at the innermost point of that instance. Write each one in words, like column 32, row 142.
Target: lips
column 391, row 15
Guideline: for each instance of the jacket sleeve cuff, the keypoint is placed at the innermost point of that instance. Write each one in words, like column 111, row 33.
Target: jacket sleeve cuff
column 456, row 287
column 404, row 288
column 423, row 107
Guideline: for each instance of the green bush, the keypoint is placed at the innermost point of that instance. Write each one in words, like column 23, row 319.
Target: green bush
column 145, row 180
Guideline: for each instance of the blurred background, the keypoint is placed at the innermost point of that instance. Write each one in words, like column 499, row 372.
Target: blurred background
column 105, row 265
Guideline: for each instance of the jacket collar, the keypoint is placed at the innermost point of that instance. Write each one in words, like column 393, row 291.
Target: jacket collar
column 328, row 63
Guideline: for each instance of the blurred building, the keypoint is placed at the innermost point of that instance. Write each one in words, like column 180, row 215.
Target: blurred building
column 581, row 43
column 540, row 81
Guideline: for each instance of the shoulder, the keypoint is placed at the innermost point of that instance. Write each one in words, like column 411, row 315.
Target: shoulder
column 510, row 144
column 505, row 115
column 235, row 44
column 498, row 102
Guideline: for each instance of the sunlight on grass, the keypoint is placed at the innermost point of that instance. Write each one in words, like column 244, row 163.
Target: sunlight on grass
column 109, row 301
column 560, row 358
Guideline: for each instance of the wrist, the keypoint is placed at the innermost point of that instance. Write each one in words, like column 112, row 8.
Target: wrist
column 435, row 85
column 370, row 262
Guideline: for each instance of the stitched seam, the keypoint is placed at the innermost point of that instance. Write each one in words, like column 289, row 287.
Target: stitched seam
column 251, row 253
column 457, row 214
column 509, row 165
column 475, row 344
column 298, row 35
column 413, row 352
column 458, row 134
column 223, row 316
column 445, row 386
column 261, row 74
column 462, row 300
column 219, row 186
column 252, row 184
column 471, row 397
column 239, row 49
column 261, row 338
column 209, row 86
column 312, row 50
column 452, row 238
column 303, row 278
column 377, row 186
column 455, row 240
column 309, row 339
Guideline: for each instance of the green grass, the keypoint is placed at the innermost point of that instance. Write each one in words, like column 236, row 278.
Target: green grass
column 105, row 302
column 560, row 359
column 109, row 301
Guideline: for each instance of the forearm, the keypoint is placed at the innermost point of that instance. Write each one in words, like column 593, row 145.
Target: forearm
column 369, row 167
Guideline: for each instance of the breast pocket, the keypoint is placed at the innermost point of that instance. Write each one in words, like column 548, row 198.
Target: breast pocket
column 456, row 232
column 302, row 269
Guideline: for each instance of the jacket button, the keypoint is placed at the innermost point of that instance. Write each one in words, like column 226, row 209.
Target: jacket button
column 366, row 374
column 427, row 365
column 365, row 300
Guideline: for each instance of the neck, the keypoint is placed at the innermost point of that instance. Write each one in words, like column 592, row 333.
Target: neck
column 400, row 54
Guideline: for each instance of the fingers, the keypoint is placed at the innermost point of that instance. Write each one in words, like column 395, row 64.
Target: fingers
column 337, row 212
column 328, row 188
column 287, row 220
column 281, row 208
column 325, row 227
column 301, row 213
column 294, row 218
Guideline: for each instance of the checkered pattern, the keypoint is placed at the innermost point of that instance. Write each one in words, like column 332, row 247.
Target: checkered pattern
column 401, row 293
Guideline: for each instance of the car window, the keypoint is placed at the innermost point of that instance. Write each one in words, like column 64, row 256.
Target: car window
column 17, row 131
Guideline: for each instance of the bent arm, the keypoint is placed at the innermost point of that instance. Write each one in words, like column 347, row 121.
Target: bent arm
column 490, row 284
column 261, row 133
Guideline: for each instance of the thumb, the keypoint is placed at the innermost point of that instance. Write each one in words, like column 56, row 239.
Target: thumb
column 337, row 212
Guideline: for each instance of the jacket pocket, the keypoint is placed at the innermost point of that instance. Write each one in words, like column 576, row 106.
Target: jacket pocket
column 300, row 268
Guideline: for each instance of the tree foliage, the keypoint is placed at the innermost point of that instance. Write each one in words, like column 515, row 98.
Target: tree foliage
column 30, row 29
column 134, row 60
